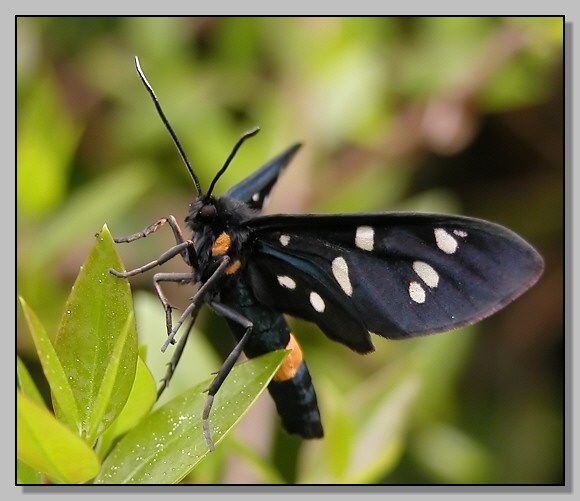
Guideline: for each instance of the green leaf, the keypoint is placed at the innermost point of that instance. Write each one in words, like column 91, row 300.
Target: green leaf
column 107, row 386
column 97, row 342
column 27, row 384
column 54, row 372
column 48, row 446
column 167, row 445
column 27, row 475
column 141, row 399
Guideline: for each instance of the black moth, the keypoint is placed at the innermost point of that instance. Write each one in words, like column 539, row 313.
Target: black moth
column 397, row 275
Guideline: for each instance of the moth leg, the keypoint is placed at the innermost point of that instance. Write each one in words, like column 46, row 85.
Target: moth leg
column 197, row 300
column 172, row 365
column 169, row 277
column 161, row 277
column 228, row 364
column 152, row 228
column 166, row 256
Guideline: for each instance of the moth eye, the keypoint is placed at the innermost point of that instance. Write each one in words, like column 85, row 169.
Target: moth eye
column 207, row 213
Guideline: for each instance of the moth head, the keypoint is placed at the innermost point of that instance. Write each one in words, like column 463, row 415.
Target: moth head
column 202, row 212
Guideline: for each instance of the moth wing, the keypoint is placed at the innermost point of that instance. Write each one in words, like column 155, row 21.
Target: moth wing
column 395, row 274
column 254, row 190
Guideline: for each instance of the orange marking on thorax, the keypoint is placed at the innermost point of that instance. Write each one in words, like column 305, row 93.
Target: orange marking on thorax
column 291, row 363
column 221, row 245
column 233, row 267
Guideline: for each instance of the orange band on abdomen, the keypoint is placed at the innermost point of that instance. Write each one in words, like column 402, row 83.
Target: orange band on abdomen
column 292, row 362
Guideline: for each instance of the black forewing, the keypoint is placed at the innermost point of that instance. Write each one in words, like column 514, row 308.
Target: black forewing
column 254, row 190
column 479, row 268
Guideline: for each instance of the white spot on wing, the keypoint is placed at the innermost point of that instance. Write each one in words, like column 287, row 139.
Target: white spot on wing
column 284, row 240
column 416, row 292
column 426, row 273
column 317, row 302
column 445, row 241
column 340, row 272
column 286, row 281
column 460, row 233
column 256, row 196
column 365, row 238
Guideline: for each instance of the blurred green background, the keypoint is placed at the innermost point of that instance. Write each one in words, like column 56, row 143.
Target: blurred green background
column 461, row 115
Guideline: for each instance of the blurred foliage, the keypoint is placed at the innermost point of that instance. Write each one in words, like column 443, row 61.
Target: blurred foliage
column 457, row 114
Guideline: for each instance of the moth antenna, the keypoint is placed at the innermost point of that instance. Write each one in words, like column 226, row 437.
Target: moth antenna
column 245, row 136
column 167, row 125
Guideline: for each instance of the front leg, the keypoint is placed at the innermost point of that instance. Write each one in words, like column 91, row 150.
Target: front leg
column 191, row 311
column 198, row 299
column 170, row 277
column 152, row 228
column 166, row 256
column 187, row 255
column 172, row 365
column 228, row 364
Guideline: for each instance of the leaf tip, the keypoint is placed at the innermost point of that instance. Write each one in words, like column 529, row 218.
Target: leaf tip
column 23, row 303
column 104, row 231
